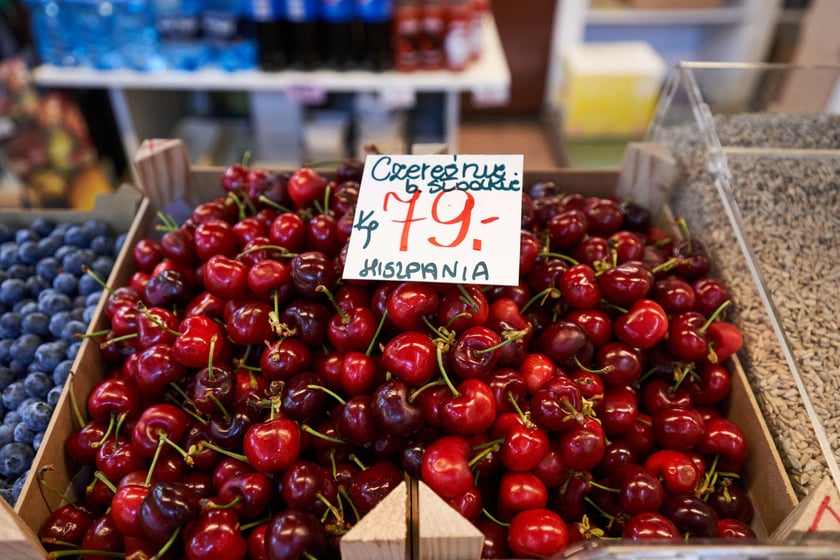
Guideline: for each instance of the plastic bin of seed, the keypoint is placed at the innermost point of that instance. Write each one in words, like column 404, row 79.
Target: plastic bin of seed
column 758, row 158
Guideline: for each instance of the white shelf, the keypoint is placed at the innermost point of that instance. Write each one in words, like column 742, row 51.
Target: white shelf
column 488, row 78
column 634, row 16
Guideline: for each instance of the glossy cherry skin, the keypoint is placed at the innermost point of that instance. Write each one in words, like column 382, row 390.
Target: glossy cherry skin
column 691, row 514
column 66, row 524
column 214, row 535
column 167, row 506
column 678, row 428
column 731, row 501
column 643, row 326
column 724, row 437
column 579, row 287
column 475, row 352
column 537, row 532
column 676, row 470
column 472, row 411
column 291, row 533
column 272, row 446
column 157, row 421
column 249, row 324
column 125, row 509
column 371, row 485
column 310, row 270
column 620, row 364
column 102, row 535
column 408, row 303
column 445, row 469
column 251, row 491
column 392, row 410
column 411, row 356
column 735, row 529
column 519, row 491
column 649, row 525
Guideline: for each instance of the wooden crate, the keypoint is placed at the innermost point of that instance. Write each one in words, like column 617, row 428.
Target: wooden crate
column 413, row 523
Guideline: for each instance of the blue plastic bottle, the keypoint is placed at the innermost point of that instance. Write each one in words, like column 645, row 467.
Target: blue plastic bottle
column 376, row 18
column 230, row 35
column 51, row 31
column 135, row 33
column 303, row 47
column 339, row 36
column 98, row 46
column 179, row 29
column 270, row 24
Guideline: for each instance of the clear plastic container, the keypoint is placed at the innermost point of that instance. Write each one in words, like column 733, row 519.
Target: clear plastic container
column 758, row 153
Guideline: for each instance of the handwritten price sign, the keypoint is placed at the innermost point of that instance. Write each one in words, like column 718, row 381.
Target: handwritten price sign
column 438, row 218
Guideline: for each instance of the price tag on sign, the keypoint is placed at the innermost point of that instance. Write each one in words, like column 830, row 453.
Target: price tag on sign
column 438, row 218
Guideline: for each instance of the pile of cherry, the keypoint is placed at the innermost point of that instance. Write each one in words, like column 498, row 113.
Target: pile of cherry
column 256, row 405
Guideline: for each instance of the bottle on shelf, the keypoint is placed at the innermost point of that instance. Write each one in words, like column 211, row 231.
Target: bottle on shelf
column 406, row 35
column 135, row 35
column 374, row 17
column 457, row 44
column 179, row 28
column 432, row 34
column 93, row 22
column 339, row 33
column 303, row 37
column 271, row 28
column 229, row 35
column 479, row 9
column 51, row 32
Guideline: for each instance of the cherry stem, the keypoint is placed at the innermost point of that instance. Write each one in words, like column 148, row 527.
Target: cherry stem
column 218, row 404
column 467, row 298
column 167, row 221
column 99, row 475
column 210, row 445
column 507, row 337
column 683, row 225
column 358, row 462
column 376, row 334
column 484, row 453
column 252, row 524
column 74, row 403
column 141, row 307
column 435, row 383
column 106, row 435
column 457, row 316
column 543, row 295
column 79, row 552
column 209, row 504
column 86, row 269
column 487, row 444
column 606, row 369
column 599, row 509
column 268, row 202
column 715, row 315
column 342, row 491
column 187, row 457
column 443, row 374
column 328, row 391
column 312, row 431
column 326, row 291
column 213, row 340
column 44, row 484
column 600, row 486
column 283, row 251
column 666, row 266
column 150, row 471
column 520, row 412
column 165, row 548
column 560, row 256
column 232, row 196
column 110, row 341
column 493, row 518
column 330, row 507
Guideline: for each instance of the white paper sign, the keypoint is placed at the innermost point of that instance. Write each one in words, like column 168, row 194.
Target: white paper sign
column 438, row 218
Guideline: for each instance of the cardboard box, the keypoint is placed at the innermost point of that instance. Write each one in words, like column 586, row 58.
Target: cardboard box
column 610, row 89
column 432, row 530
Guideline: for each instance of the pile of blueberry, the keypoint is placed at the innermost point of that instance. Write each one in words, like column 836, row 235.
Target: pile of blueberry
column 46, row 301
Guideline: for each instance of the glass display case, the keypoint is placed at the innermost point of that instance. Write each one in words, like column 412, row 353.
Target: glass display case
column 757, row 149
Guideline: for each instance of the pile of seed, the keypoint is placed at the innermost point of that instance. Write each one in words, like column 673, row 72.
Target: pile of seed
column 790, row 214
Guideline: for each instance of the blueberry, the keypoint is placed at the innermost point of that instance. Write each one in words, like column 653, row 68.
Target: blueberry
column 20, row 270
column 26, row 307
column 9, row 254
column 36, row 323
column 35, row 284
column 36, row 415
column 15, row 458
column 73, row 350
column 95, row 228
column 57, row 322
column 119, row 242
column 23, row 235
column 18, row 366
column 13, row 395
column 5, row 350
column 49, row 245
column 76, row 235
column 12, row 418
column 12, row 290
column 73, row 261
column 54, row 395
column 50, row 354
column 66, row 283
column 24, row 433
column 7, row 434
column 73, row 330
column 88, row 314
column 48, row 268
column 10, row 324
column 17, row 487
column 102, row 245
column 41, row 226
column 62, row 372
column 6, row 377
column 52, row 302
column 102, row 265
column 88, row 285
column 36, row 441
column 37, row 384
column 29, row 252
column 24, row 347
column 64, row 250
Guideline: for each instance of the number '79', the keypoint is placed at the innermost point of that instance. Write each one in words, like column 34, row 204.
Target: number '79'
column 462, row 218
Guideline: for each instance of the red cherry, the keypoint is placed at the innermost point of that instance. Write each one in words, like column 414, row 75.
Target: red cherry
column 445, row 468
column 272, row 446
column 537, row 533
column 650, row 525
column 215, row 534
column 411, row 356
column 643, row 326
column 305, row 186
